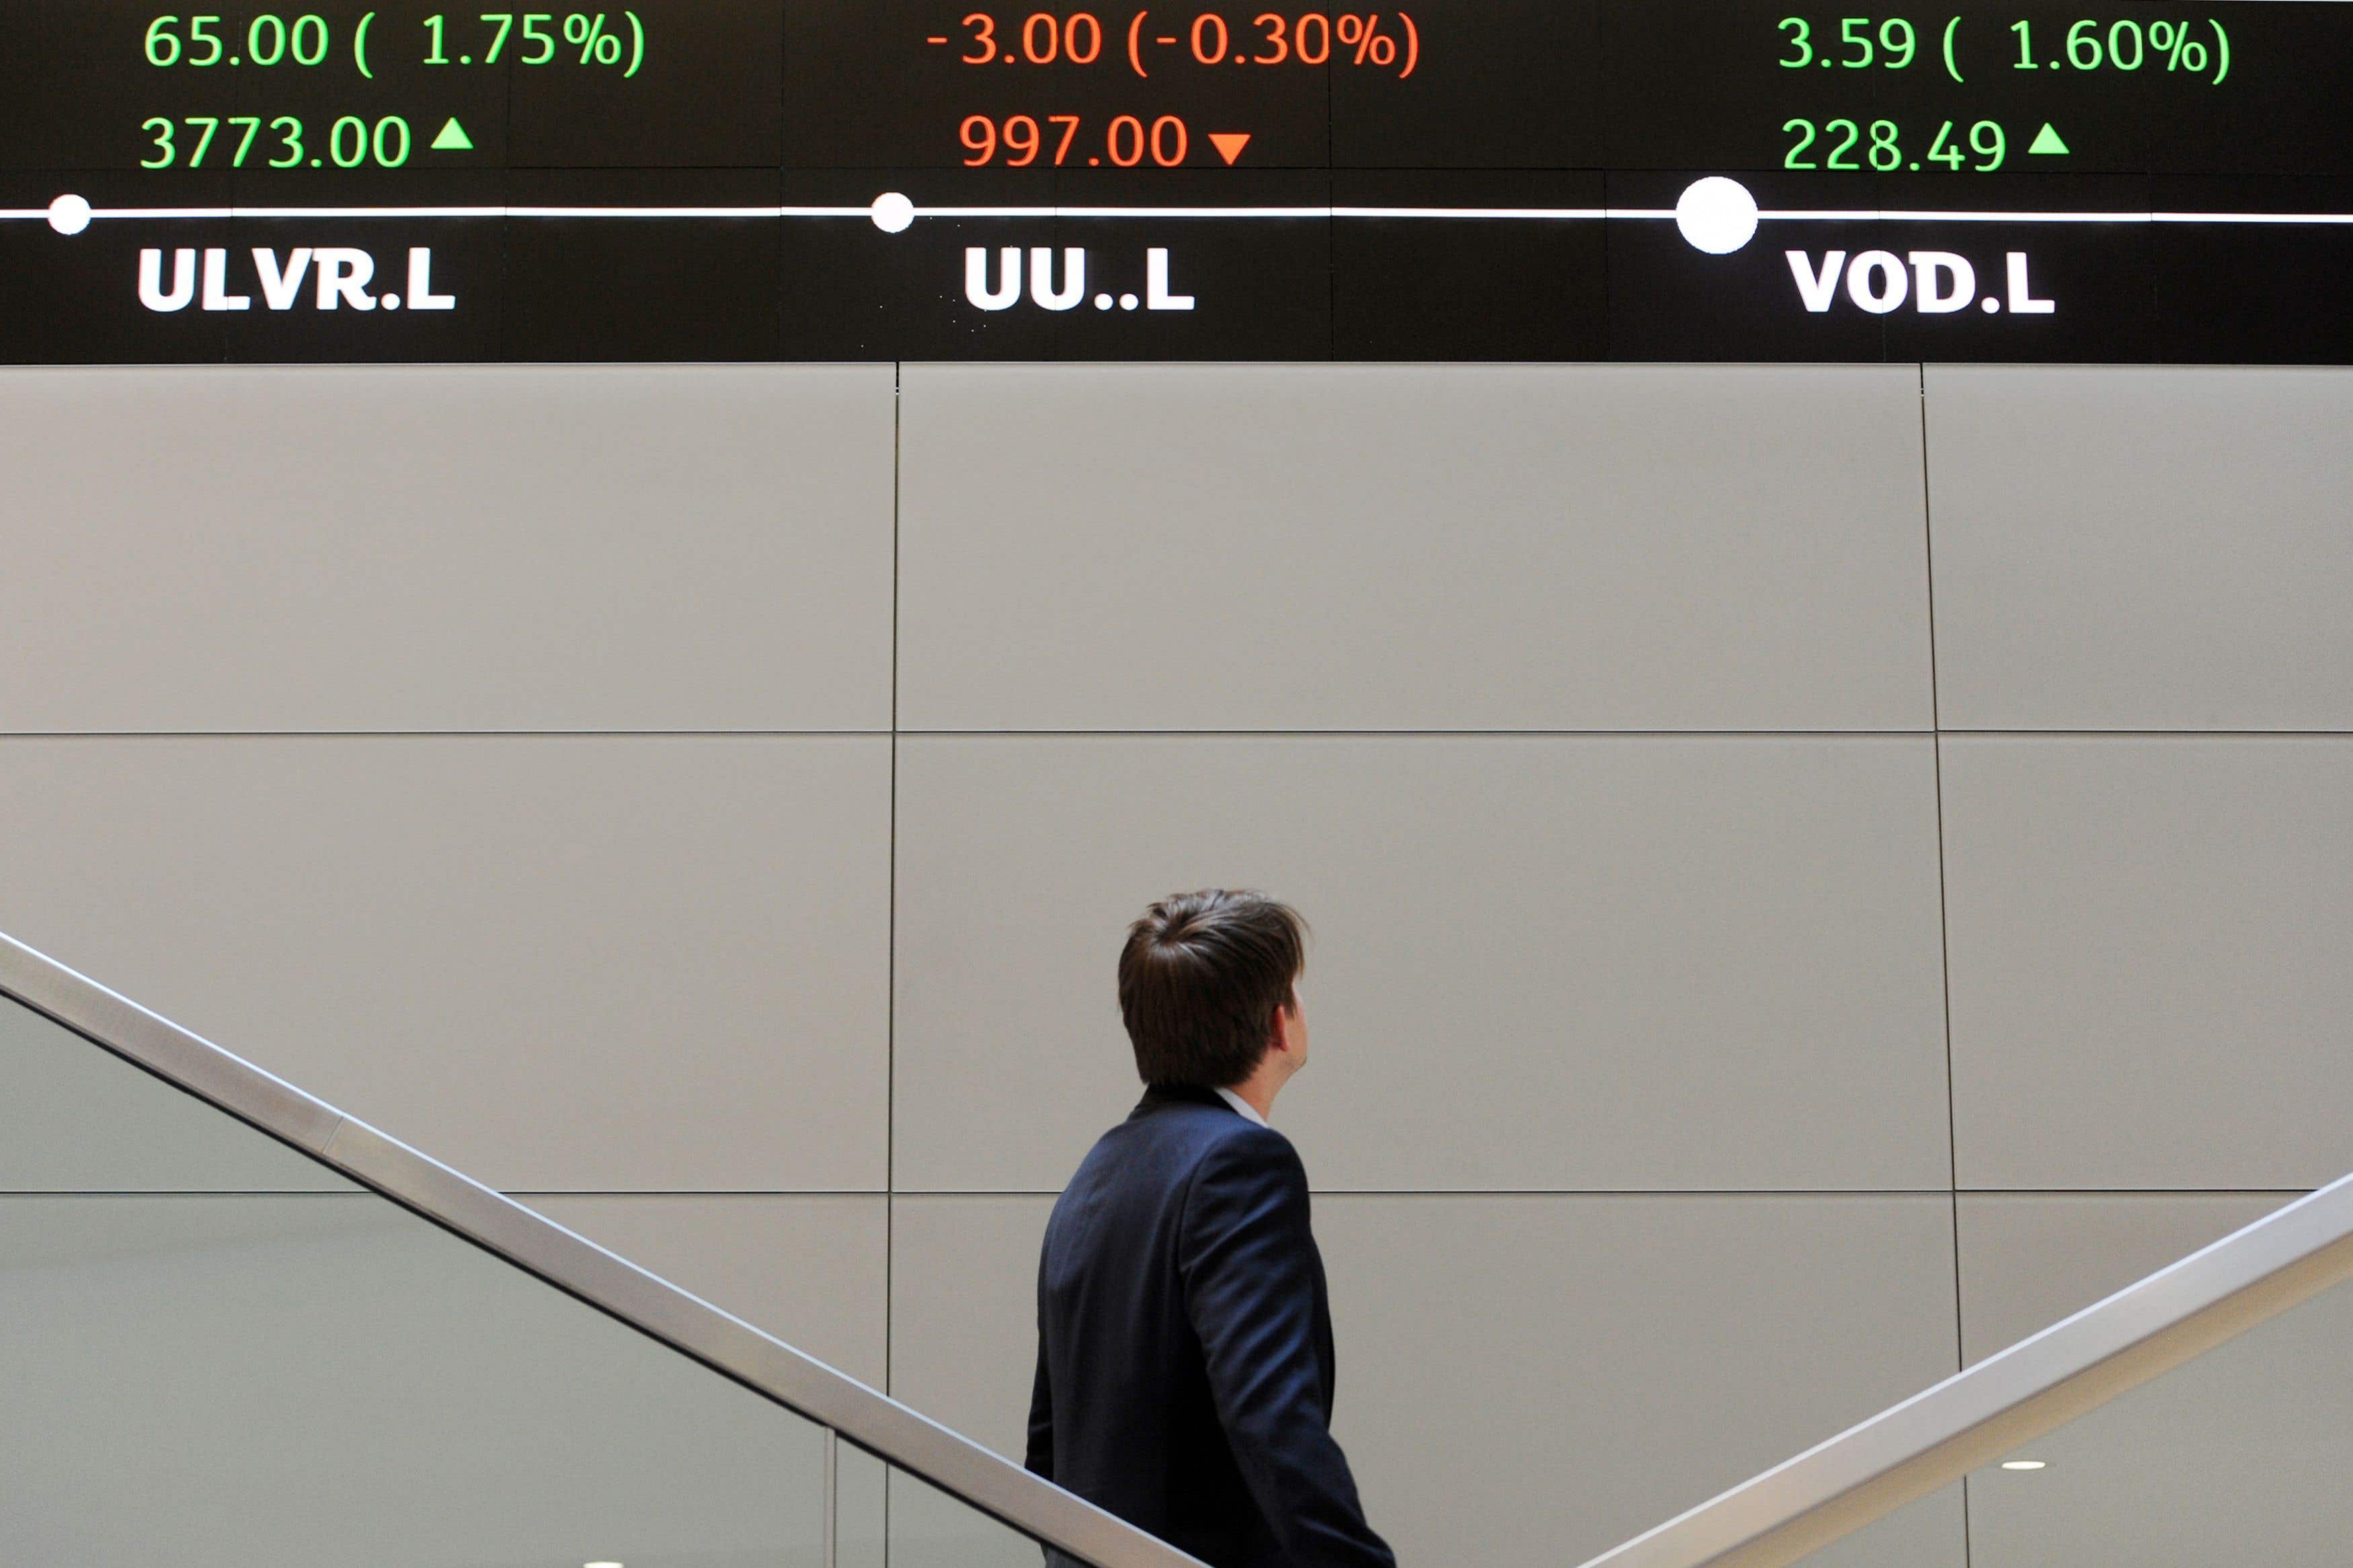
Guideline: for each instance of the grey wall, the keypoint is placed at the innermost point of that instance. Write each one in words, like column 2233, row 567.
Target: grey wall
column 1816, row 871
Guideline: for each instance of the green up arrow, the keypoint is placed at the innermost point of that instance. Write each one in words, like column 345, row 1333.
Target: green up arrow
column 2045, row 141
column 453, row 139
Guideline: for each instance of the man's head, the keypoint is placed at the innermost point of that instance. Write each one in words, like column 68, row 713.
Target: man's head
column 1208, row 984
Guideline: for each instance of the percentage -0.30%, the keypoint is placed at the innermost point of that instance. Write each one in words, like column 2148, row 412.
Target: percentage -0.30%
column 1370, row 40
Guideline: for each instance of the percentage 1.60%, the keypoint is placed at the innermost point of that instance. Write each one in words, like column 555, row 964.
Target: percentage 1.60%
column 2130, row 44
column 1367, row 39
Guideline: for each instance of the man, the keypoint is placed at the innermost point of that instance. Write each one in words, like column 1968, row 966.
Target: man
column 1185, row 1362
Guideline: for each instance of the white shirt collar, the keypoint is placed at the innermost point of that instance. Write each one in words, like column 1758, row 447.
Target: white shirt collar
column 1241, row 1106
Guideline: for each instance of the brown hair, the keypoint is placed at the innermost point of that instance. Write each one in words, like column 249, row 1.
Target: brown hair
column 1200, row 981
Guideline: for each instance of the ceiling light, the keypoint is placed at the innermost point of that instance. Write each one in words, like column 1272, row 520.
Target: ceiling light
column 2006, row 1464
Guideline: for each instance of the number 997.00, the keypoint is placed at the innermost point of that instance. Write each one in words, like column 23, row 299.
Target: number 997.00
column 1844, row 144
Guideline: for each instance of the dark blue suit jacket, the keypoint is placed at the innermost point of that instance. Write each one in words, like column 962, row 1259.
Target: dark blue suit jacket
column 1184, row 1362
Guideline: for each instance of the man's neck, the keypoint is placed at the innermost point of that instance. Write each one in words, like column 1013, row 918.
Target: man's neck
column 1241, row 1107
column 1258, row 1091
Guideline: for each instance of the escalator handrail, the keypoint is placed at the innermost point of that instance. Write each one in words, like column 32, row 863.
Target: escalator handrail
column 1989, row 1410
column 726, row 1344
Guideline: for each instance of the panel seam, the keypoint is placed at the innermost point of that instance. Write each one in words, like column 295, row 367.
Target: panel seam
column 1944, row 917
column 891, row 966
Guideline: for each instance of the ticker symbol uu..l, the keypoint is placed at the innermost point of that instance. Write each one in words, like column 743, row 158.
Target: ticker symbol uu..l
column 1004, row 291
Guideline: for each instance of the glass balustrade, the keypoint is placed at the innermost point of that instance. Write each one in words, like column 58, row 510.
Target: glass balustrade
column 2242, row 1457
column 219, row 1353
column 2200, row 1418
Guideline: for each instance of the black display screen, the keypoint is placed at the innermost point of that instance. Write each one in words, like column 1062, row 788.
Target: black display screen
column 950, row 179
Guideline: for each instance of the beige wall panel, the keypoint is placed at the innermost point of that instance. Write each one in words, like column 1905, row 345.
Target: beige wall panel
column 806, row 1268
column 2029, row 1259
column 1527, row 1378
column 2149, row 961
column 1540, row 961
column 2138, row 548
column 1429, row 547
column 964, row 1311
column 553, row 963
column 478, row 548
column 2237, row 1457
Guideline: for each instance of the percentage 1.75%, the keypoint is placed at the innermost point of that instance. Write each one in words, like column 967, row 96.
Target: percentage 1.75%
column 489, row 39
column 1371, row 40
column 595, row 42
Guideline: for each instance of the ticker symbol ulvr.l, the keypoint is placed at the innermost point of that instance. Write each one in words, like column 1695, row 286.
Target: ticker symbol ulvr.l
column 343, row 274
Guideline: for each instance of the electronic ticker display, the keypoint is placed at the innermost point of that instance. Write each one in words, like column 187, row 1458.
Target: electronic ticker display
column 688, row 180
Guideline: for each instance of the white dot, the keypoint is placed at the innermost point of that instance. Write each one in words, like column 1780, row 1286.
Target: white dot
column 1102, row 301
column 893, row 213
column 70, row 214
column 1990, row 305
column 1128, row 302
column 1716, row 214
column 390, row 301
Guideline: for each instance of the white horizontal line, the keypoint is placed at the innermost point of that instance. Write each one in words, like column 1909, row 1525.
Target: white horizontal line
column 159, row 212
column 1541, row 214
column 1481, row 213
column 2251, row 217
column 1936, row 216
column 650, row 212
column 331, row 212
column 1187, row 212
column 1897, row 214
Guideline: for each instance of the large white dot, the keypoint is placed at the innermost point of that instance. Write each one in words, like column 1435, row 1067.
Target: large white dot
column 893, row 213
column 1716, row 214
column 70, row 214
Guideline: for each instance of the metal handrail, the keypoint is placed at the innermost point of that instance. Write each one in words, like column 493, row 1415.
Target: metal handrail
column 2042, row 1383
column 538, row 1245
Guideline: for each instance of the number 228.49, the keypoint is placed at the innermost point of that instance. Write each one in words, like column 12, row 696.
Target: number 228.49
column 1843, row 144
column 188, row 143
